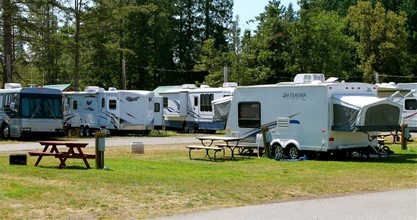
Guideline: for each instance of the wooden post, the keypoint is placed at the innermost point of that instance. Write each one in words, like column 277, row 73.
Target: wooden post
column 100, row 147
column 404, row 135
column 266, row 145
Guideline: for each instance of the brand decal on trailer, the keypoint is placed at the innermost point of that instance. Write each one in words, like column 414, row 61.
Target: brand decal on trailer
column 295, row 96
column 132, row 99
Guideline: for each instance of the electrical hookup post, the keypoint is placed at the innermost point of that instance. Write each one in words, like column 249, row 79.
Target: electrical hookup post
column 405, row 132
column 100, row 147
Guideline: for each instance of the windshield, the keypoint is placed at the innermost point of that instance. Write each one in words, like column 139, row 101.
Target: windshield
column 40, row 106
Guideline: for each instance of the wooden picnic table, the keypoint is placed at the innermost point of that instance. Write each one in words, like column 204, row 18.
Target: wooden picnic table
column 230, row 142
column 74, row 150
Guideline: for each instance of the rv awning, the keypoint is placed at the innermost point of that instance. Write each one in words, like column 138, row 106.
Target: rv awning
column 221, row 108
column 365, row 113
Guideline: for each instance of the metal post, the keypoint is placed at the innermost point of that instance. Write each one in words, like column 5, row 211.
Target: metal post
column 404, row 135
column 266, row 144
column 100, row 147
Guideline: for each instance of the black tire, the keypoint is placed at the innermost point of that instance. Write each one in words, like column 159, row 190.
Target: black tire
column 185, row 128
column 278, row 151
column 293, row 152
column 87, row 132
column 82, row 131
column 5, row 131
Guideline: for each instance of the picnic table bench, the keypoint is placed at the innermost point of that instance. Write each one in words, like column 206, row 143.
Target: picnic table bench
column 248, row 146
column 207, row 148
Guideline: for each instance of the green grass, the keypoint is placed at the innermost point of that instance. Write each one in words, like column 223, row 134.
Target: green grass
column 165, row 181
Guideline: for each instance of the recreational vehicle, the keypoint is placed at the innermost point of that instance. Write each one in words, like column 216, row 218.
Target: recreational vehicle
column 311, row 114
column 404, row 94
column 117, row 111
column 30, row 111
column 189, row 108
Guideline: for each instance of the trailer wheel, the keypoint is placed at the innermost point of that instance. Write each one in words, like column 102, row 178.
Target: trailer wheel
column 87, row 132
column 293, row 152
column 185, row 128
column 278, row 150
column 82, row 131
column 5, row 131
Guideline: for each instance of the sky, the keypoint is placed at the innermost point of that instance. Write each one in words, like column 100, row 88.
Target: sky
column 249, row 9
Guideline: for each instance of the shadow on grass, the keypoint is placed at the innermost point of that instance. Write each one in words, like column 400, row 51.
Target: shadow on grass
column 66, row 167
column 358, row 157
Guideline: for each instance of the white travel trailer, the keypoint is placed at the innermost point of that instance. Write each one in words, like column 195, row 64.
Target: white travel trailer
column 311, row 114
column 404, row 94
column 118, row 111
column 190, row 109
column 30, row 111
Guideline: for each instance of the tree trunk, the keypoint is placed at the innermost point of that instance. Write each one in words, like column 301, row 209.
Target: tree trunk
column 7, row 42
column 77, row 45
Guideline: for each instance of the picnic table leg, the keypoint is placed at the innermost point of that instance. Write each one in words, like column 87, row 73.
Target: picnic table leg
column 38, row 160
column 83, row 157
column 189, row 153
column 65, row 157
column 41, row 156
column 215, row 158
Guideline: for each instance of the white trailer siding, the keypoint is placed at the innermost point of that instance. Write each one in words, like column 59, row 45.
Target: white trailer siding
column 116, row 110
column 304, row 115
column 190, row 108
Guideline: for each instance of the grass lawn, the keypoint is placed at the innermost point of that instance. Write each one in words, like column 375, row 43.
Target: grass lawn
column 164, row 181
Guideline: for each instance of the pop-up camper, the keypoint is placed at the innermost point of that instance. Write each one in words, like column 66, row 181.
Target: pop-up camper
column 404, row 94
column 114, row 110
column 311, row 114
column 190, row 108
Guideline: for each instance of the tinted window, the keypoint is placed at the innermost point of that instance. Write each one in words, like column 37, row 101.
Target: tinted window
column 249, row 114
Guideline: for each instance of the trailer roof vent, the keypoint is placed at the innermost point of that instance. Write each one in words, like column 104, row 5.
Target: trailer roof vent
column 93, row 89
column 230, row 85
column 306, row 78
column 204, row 86
column 112, row 89
column 12, row 86
column 189, row 86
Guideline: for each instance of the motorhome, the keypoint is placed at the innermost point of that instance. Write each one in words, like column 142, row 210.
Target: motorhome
column 189, row 108
column 117, row 111
column 312, row 114
column 404, row 94
column 30, row 111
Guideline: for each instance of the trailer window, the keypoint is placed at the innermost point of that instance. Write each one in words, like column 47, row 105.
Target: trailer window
column 103, row 102
column 1, row 103
column 411, row 104
column 112, row 104
column 249, row 115
column 157, row 107
column 75, row 105
column 205, row 102
column 165, row 102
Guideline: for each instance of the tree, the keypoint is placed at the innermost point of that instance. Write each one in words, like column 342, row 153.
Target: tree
column 8, row 11
column 382, row 36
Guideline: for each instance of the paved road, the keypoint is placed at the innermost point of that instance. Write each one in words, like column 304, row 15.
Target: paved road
column 111, row 141
column 391, row 205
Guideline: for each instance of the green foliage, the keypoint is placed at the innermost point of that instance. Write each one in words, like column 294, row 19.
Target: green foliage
column 382, row 36
column 172, row 42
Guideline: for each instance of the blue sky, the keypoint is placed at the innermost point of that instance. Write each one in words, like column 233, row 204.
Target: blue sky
column 249, row 9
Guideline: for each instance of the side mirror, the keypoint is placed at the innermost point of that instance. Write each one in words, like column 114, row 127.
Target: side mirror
column 13, row 106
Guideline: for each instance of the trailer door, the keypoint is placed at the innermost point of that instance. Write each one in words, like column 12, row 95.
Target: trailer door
column 183, row 103
column 158, row 111
column 112, row 110
column 410, row 113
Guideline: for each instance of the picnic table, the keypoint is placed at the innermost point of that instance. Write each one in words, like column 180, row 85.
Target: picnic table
column 74, row 150
column 207, row 144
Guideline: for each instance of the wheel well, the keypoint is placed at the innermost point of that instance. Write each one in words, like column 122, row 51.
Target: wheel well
column 289, row 146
